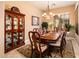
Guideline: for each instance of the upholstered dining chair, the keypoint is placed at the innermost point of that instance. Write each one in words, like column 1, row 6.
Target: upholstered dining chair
column 35, row 29
column 36, row 46
column 39, row 30
column 56, row 29
column 60, row 44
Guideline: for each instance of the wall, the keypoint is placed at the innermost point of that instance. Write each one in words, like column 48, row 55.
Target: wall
column 76, row 17
column 69, row 9
column 77, row 21
column 29, row 11
column 1, row 29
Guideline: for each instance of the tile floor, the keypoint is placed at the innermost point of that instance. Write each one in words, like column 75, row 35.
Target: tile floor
column 15, row 54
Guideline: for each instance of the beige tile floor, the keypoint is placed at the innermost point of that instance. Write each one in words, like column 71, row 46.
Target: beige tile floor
column 15, row 54
column 76, row 48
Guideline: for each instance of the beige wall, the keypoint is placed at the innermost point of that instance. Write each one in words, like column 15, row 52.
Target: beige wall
column 1, row 29
column 69, row 9
column 76, row 17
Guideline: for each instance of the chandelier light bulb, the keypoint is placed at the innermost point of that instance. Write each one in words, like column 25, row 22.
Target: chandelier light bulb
column 44, row 13
column 51, row 13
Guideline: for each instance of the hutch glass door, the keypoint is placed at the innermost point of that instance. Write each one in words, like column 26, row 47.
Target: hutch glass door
column 21, row 33
column 8, row 32
column 15, row 31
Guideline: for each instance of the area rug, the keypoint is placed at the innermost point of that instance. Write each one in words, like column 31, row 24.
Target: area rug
column 67, row 53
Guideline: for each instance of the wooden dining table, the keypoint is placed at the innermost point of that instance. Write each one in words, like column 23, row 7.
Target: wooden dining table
column 50, row 37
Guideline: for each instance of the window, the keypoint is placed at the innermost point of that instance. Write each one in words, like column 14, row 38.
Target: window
column 64, row 17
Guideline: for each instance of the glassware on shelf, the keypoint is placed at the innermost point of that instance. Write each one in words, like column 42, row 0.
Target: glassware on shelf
column 8, row 39
column 15, row 37
column 21, row 23
column 8, row 45
column 8, row 35
column 8, row 22
column 15, row 23
column 21, row 35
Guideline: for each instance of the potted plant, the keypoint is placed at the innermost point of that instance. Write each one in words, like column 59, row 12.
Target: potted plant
column 45, row 25
column 68, row 27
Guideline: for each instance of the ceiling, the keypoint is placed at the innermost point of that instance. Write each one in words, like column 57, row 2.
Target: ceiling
column 42, row 5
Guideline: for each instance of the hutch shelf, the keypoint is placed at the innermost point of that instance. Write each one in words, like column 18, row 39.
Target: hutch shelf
column 14, row 30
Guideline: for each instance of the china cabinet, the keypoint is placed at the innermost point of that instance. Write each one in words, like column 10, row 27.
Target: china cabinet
column 14, row 30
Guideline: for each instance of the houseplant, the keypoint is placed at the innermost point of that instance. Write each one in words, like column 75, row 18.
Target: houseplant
column 69, row 27
column 44, row 25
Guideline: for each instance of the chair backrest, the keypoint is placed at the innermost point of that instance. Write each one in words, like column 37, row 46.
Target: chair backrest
column 63, row 41
column 35, row 43
column 39, row 30
column 35, row 29
column 56, row 29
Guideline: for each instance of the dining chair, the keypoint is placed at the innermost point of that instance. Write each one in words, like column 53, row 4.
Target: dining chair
column 36, row 46
column 56, row 29
column 35, row 29
column 60, row 44
column 39, row 30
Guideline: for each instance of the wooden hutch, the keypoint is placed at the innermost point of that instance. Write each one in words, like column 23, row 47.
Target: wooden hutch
column 14, row 34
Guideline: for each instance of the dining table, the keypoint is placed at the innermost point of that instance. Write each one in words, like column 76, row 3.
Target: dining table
column 50, row 37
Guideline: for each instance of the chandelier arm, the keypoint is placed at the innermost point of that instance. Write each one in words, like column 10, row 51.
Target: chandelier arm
column 48, row 6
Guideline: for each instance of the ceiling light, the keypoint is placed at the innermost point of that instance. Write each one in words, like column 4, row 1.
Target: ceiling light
column 51, row 13
column 48, row 14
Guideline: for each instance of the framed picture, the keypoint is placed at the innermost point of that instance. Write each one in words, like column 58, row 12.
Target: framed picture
column 35, row 20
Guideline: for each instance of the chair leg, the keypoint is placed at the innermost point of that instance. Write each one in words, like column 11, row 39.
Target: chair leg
column 31, row 53
column 49, row 52
column 40, row 55
column 61, row 52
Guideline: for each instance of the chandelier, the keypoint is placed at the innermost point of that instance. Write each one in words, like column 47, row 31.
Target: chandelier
column 48, row 14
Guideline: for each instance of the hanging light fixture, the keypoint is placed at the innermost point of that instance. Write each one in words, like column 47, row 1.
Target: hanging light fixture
column 48, row 14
